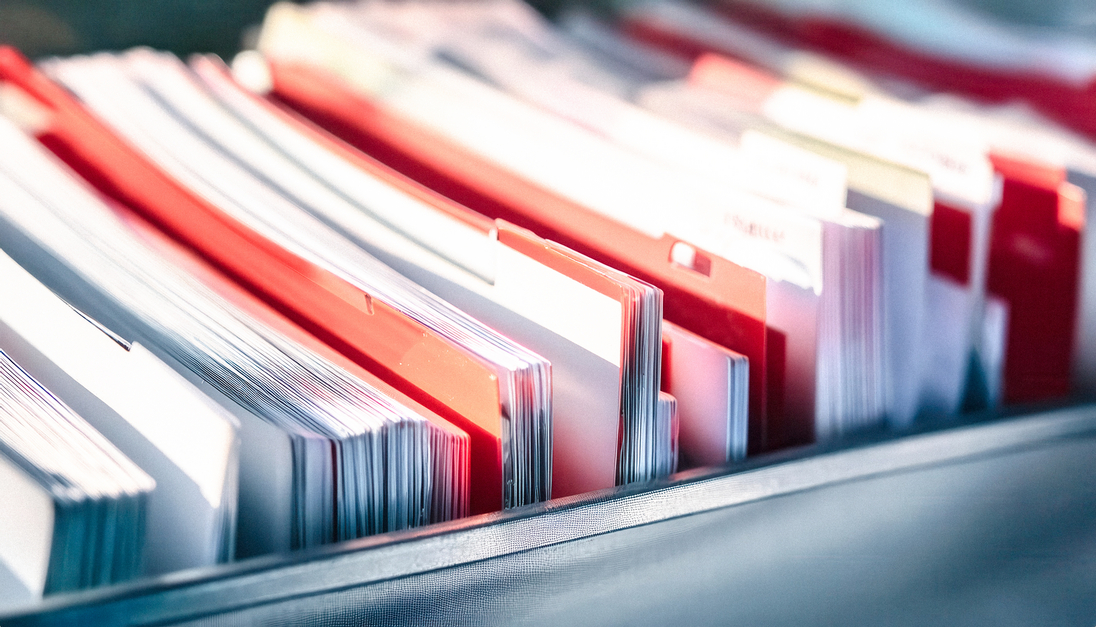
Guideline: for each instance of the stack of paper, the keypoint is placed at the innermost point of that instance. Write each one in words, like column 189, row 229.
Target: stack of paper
column 174, row 432
column 74, row 505
column 492, row 388
column 326, row 453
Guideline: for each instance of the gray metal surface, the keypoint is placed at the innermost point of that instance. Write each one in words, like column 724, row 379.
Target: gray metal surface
column 989, row 524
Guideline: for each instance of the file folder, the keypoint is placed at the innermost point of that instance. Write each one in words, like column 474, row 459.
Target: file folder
column 316, row 435
column 459, row 386
column 1035, row 265
column 594, row 324
column 763, row 233
column 709, row 383
column 720, row 300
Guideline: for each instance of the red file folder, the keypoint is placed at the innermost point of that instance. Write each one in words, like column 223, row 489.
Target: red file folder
column 715, row 298
column 1035, row 259
column 404, row 353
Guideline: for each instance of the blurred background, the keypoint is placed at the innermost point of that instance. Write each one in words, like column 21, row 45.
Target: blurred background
column 45, row 27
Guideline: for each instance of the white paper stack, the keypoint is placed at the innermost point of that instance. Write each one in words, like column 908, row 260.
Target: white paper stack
column 668, row 430
column 179, row 436
column 325, row 456
column 74, row 506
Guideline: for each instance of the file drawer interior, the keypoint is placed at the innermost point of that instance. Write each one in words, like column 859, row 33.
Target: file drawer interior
column 984, row 523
